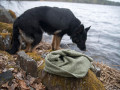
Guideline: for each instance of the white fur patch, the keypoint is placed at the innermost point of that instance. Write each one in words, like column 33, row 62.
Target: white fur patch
column 58, row 31
column 25, row 38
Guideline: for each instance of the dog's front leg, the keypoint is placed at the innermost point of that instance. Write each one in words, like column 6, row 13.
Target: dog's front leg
column 28, row 48
column 57, row 41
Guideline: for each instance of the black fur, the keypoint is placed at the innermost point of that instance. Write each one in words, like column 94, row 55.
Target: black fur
column 48, row 19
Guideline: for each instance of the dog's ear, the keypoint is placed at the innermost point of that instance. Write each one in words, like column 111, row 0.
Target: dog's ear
column 86, row 29
column 81, row 27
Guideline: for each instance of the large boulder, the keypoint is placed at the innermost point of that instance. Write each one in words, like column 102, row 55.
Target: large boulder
column 55, row 82
column 6, row 16
column 27, row 63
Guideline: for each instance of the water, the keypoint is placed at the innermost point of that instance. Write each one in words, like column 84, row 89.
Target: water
column 103, row 42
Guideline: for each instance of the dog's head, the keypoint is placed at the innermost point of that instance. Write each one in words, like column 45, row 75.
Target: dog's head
column 80, row 36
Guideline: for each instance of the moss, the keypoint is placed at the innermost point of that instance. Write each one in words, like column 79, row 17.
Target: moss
column 37, row 58
column 12, row 14
column 89, row 82
column 5, row 34
column 6, row 26
column 10, row 57
column 10, row 66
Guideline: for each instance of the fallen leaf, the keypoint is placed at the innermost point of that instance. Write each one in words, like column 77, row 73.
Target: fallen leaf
column 39, row 63
column 39, row 86
column 5, row 85
column 18, row 76
column 13, row 86
column 32, row 79
column 23, row 85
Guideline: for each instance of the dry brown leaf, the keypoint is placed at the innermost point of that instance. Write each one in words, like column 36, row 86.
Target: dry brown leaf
column 13, row 86
column 23, row 85
column 39, row 86
column 18, row 75
column 39, row 63
column 5, row 85
column 32, row 79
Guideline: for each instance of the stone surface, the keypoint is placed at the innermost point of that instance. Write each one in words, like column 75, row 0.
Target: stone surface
column 27, row 63
column 5, row 76
column 55, row 82
column 5, row 41
column 1, row 43
column 5, row 16
column 98, row 72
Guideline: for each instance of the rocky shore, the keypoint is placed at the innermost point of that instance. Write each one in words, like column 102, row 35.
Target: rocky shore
column 25, row 70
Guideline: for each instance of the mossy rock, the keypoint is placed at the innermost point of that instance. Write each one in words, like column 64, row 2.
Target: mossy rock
column 5, row 16
column 37, row 58
column 55, row 82
column 6, row 26
column 12, row 14
column 5, row 41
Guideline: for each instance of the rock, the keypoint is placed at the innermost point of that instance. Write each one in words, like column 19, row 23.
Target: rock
column 1, row 43
column 65, row 46
column 27, row 63
column 98, row 71
column 5, row 16
column 5, row 41
column 54, row 82
column 5, row 77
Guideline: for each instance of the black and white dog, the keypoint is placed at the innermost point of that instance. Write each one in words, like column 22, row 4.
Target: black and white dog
column 29, row 27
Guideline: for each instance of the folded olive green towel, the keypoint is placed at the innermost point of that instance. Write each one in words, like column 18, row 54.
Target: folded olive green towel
column 68, row 63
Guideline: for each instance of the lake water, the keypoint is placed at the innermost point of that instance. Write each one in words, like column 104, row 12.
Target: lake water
column 103, row 42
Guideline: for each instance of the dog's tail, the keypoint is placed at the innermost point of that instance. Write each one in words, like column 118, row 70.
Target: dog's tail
column 15, row 40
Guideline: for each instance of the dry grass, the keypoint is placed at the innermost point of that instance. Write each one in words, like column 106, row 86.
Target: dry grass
column 109, row 77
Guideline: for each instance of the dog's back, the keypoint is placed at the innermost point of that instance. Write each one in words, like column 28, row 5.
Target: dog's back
column 53, row 17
